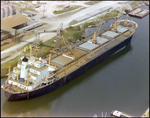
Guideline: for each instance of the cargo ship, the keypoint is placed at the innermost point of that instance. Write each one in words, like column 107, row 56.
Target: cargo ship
column 33, row 77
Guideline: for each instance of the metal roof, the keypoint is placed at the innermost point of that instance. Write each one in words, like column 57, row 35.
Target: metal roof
column 61, row 60
column 88, row 46
column 121, row 29
column 110, row 34
column 101, row 40
column 13, row 20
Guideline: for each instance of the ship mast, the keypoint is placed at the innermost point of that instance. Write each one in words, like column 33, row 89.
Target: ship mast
column 97, row 32
column 127, row 19
column 28, row 79
column 50, row 58
column 18, row 75
column 30, row 51
column 117, row 23
column 19, row 60
column 36, row 53
column 9, row 71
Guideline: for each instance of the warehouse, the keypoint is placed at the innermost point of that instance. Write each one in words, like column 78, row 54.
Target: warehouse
column 10, row 24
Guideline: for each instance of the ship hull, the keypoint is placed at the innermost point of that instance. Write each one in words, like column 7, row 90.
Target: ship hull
column 69, row 77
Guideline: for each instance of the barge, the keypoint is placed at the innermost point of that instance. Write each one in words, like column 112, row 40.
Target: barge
column 139, row 12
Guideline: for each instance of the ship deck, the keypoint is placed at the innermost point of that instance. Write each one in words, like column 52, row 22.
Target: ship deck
column 94, row 53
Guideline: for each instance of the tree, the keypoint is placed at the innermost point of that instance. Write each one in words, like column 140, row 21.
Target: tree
column 77, row 36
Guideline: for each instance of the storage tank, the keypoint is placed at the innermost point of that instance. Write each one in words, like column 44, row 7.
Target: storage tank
column 10, row 10
column 2, row 13
column 6, row 11
column 24, row 69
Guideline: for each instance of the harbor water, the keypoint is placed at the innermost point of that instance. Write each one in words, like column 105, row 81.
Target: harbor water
column 119, row 83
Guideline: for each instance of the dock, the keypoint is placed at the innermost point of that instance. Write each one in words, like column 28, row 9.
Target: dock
column 139, row 12
column 119, row 114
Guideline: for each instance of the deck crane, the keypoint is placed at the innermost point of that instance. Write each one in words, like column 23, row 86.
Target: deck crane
column 115, row 24
column 97, row 31
column 67, row 44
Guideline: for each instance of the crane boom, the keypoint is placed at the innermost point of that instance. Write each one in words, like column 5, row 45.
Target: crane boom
column 97, row 31
column 38, row 32
column 59, row 32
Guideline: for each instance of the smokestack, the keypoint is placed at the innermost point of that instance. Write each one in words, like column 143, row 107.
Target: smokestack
column 24, row 69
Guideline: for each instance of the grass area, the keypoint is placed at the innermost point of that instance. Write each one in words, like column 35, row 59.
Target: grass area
column 135, row 3
column 40, row 3
column 43, row 17
column 110, row 15
column 5, row 66
column 18, row 4
column 66, row 14
column 66, row 10
column 33, row 10
column 91, row 2
column 73, row 33
column 73, row 22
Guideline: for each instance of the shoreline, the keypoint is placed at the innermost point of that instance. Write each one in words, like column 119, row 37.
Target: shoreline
column 146, row 113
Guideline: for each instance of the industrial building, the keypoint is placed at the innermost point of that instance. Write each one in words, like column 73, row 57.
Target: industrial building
column 10, row 24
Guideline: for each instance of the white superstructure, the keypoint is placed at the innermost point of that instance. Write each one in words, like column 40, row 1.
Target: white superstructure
column 35, row 72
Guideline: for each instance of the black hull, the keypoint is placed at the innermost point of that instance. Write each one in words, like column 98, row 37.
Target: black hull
column 70, row 77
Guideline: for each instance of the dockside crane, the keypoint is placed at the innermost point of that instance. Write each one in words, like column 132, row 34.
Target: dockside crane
column 38, row 32
column 60, row 34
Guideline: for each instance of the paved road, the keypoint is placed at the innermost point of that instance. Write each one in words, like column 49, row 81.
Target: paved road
column 55, row 22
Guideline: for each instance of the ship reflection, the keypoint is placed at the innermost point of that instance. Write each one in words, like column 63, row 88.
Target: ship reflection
column 45, row 101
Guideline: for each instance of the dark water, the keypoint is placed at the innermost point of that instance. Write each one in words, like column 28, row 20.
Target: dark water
column 120, row 82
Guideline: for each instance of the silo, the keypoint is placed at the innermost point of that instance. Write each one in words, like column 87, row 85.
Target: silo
column 6, row 11
column 2, row 13
column 10, row 10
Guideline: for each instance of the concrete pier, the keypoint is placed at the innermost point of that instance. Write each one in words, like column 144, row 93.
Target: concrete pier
column 139, row 12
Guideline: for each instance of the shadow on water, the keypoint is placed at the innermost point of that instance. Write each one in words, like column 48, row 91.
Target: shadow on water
column 126, row 50
column 18, row 107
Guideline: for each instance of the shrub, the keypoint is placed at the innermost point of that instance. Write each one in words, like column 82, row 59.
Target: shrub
column 77, row 36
